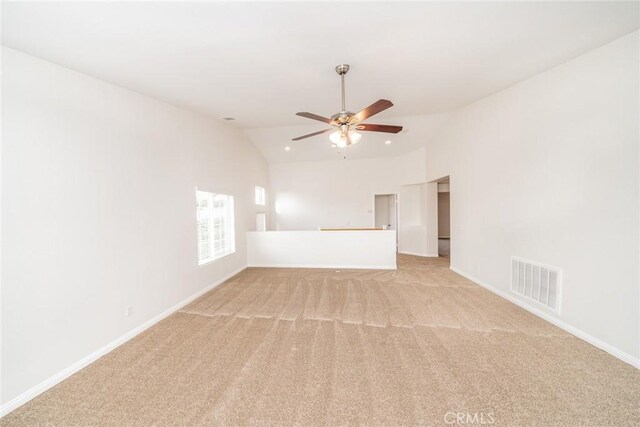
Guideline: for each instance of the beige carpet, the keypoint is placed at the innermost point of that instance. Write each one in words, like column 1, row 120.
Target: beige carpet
column 419, row 345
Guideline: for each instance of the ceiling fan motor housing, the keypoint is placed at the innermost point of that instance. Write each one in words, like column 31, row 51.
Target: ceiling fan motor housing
column 342, row 117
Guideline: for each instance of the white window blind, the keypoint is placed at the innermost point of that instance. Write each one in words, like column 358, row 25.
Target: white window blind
column 216, row 229
column 260, row 196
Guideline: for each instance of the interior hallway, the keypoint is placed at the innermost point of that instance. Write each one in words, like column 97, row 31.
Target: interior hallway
column 325, row 347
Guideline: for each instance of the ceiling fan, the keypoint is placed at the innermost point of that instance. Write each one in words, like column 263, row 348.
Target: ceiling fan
column 346, row 124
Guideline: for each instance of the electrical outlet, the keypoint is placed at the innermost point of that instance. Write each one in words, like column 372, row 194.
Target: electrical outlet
column 128, row 311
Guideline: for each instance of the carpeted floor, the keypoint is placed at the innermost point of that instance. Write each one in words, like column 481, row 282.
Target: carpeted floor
column 420, row 345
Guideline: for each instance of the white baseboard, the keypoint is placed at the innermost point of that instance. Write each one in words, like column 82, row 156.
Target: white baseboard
column 67, row 372
column 337, row 267
column 418, row 254
column 625, row 357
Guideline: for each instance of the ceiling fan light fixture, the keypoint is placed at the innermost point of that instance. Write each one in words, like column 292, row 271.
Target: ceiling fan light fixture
column 343, row 137
column 338, row 138
column 354, row 136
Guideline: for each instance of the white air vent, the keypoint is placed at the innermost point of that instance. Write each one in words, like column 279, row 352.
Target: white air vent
column 537, row 282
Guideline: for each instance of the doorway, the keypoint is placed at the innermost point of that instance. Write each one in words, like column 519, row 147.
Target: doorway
column 444, row 221
column 386, row 213
column 439, row 227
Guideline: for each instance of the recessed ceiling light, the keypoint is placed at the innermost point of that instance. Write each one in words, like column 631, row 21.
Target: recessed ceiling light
column 287, row 148
column 387, row 142
column 228, row 118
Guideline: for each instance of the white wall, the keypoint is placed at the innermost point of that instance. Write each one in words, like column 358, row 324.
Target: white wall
column 322, row 249
column 99, row 212
column 432, row 218
column 309, row 195
column 413, row 220
column 548, row 170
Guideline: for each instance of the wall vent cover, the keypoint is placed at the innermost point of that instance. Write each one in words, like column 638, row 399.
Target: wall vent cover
column 537, row 282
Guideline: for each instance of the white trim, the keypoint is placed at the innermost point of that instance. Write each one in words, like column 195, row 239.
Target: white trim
column 418, row 254
column 345, row 267
column 625, row 357
column 70, row 370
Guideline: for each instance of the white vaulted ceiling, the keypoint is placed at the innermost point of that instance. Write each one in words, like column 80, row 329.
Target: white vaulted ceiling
column 261, row 62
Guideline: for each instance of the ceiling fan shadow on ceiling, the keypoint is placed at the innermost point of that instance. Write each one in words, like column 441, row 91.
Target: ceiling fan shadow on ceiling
column 346, row 124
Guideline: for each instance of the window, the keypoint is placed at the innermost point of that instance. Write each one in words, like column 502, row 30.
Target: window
column 216, row 230
column 260, row 196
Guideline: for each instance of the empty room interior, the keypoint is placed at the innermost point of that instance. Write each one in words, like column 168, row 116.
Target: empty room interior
column 320, row 213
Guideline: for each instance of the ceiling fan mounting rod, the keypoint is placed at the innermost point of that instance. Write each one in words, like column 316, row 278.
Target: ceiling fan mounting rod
column 343, row 101
column 342, row 69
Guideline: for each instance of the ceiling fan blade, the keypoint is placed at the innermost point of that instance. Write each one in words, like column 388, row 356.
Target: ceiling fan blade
column 315, row 117
column 379, row 128
column 375, row 108
column 311, row 134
